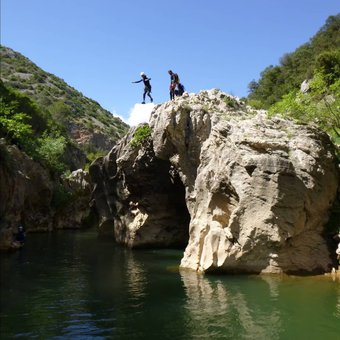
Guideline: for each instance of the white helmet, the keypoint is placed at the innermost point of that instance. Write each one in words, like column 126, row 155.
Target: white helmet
column 142, row 74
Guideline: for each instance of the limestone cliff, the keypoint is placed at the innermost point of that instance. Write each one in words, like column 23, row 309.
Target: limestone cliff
column 252, row 193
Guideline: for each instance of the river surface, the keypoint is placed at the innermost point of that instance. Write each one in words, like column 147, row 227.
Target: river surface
column 71, row 285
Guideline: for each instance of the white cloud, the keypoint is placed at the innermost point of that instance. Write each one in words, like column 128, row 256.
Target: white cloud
column 140, row 113
column 121, row 117
column 115, row 114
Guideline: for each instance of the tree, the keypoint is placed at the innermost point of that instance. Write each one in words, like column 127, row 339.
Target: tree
column 328, row 63
column 51, row 149
column 14, row 126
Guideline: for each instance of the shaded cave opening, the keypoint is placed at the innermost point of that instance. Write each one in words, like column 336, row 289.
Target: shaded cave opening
column 177, row 199
column 161, row 194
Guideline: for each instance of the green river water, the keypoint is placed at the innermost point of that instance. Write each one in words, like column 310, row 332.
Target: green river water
column 72, row 285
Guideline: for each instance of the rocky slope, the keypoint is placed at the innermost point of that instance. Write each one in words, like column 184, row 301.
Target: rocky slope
column 244, row 193
column 86, row 122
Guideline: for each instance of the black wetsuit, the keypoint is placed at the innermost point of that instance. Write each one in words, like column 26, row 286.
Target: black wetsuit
column 147, row 87
column 20, row 236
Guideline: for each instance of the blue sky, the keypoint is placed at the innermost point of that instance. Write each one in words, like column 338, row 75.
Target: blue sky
column 100, row 46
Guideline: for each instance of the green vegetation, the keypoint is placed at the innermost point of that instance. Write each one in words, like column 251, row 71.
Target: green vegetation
column 294, row 68
column 43, row 115
column 320, row 105
column 22, row 123
column 318, row 63
column 141, row 134
column 92, row 156
column 14, row 125
column 50, row 150
column 231, row 102
column 61, row 197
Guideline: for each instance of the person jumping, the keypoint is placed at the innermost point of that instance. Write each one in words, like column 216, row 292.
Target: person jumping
column 147, row 86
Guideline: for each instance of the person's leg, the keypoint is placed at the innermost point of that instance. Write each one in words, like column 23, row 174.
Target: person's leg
column 143, row 102
column 172, row 93
column 149, row 95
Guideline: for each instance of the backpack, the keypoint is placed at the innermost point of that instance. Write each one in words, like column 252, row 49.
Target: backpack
column 181, row 89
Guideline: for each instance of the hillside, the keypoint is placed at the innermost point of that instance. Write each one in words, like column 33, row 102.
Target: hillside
column 47, row 130
column 93, row 128
column 306, row 85
column 295, row 67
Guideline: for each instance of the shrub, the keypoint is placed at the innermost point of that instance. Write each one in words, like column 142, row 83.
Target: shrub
column 14, row 125
column 141, row 134
column 50, row 150
column 92, row 156
column 231, row 102
column 321, row 106
column 61, row 197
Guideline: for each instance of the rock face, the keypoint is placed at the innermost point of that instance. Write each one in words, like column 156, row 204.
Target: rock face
column 257, row 191
column 30, row 198
column 25, row 194
column 338, row 251
column 139, row 198
column 76, row 213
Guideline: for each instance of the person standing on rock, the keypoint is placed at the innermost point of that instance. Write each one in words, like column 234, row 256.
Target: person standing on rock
column 147, row 86
column 174, row 81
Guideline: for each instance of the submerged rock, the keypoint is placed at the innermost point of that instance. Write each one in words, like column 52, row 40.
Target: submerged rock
column 254, row 193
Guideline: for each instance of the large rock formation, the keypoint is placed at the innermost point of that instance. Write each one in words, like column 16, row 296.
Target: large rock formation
column 254, row 192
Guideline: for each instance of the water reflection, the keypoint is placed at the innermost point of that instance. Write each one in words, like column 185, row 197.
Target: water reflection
column 73, row 286
column 229, row 311
column 273, row 283
column 136, row 280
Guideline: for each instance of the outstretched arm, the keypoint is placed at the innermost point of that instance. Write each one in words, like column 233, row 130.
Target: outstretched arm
column 137, row 81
